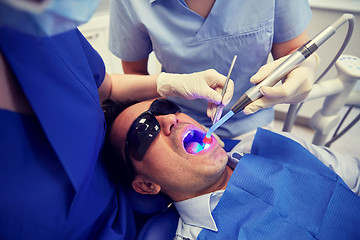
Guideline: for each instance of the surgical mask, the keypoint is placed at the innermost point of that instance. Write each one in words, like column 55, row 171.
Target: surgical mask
column 46, row 17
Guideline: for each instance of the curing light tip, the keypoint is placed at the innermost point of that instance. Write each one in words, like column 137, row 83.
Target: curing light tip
column 207, row 140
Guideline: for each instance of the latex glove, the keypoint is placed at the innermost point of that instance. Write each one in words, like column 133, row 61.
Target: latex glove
column 207, row 85
column 294, row 89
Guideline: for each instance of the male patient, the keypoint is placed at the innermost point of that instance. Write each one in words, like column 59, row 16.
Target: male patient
column 278, row 191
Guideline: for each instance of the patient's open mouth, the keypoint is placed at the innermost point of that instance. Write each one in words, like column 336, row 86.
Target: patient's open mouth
column 193, row 142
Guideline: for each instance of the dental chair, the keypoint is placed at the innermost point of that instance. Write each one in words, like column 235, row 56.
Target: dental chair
column 161, row 218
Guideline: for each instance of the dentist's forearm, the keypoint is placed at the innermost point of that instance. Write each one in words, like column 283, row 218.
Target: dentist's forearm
column 128, row 87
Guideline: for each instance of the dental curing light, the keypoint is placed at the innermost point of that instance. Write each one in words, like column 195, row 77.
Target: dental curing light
column 207, row 137
column 282, row 70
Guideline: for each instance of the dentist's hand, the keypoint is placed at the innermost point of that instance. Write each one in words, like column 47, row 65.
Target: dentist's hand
column 207, row 85
column 296, row 87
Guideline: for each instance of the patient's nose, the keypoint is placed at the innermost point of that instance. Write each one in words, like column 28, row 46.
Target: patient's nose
column 167, row 122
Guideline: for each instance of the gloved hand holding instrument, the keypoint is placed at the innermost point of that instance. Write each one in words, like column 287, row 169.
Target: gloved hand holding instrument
column 207, row 85
column 295, row 86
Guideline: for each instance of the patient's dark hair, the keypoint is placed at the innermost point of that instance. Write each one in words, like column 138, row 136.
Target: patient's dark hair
column 114, row 162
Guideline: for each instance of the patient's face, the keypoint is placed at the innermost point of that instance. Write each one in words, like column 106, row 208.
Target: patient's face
column 167, row 162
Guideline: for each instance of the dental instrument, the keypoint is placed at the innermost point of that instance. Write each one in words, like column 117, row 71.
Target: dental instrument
column 207, row 139
column 220, row 106
column 282, row 70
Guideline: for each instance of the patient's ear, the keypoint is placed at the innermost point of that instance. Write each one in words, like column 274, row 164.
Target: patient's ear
column 144, row 186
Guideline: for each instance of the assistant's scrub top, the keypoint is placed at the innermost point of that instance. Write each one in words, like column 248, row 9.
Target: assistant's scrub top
column 185, row 42
column 52, row 182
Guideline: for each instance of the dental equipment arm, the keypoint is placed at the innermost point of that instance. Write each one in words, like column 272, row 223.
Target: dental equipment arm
column 283, row 69
column 290, row 63
column 295, row 108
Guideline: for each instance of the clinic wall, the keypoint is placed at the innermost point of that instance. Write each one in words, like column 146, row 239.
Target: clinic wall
column 96, row 32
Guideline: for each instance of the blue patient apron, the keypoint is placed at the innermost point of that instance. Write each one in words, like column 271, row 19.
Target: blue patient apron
column 52, row 182
column 282, row 191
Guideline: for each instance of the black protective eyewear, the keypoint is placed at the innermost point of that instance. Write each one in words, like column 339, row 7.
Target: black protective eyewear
column 145, row 128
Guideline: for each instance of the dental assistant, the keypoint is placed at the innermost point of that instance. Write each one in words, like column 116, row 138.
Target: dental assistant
column 52, row 181
column 189, row 36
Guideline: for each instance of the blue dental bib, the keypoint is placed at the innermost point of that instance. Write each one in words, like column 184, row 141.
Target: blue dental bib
column 282, row 191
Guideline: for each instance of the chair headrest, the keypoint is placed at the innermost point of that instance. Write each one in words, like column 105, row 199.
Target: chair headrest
column 148, row 204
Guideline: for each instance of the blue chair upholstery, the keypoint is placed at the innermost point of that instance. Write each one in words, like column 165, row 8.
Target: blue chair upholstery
column 148, row 204
column 161, row 226
column 229, row 144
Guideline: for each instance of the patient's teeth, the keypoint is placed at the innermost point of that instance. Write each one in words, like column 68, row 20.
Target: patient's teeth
column 193, row 141
column 193, row 147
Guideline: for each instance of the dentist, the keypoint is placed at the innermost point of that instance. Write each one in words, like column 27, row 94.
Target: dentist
column 52, row 181
column 189, row 36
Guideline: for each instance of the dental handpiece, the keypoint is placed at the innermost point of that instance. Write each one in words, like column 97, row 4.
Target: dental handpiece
column 281, row 71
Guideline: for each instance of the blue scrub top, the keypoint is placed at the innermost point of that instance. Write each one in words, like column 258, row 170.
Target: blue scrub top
column 185, row 42
column 52, row 182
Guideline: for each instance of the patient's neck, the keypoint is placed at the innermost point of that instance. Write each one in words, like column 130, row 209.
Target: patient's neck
column 218, row 185
column 222, row 183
